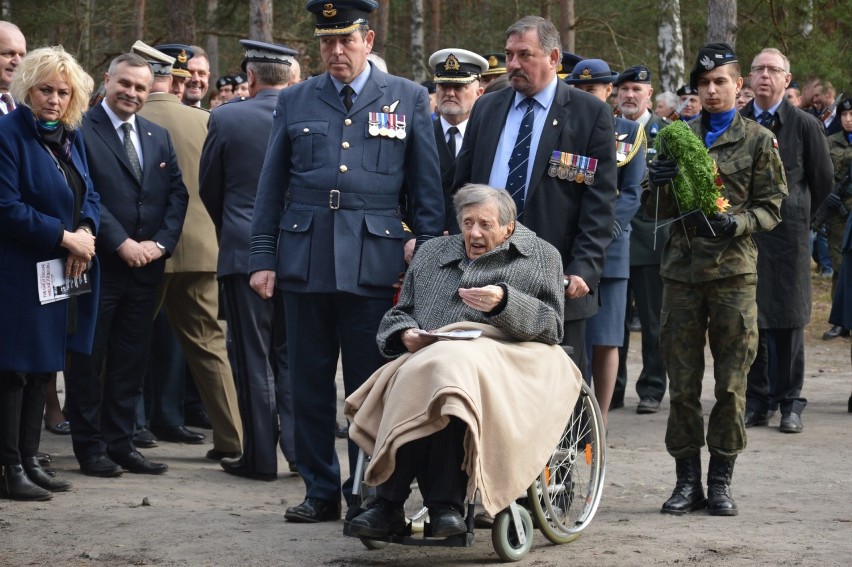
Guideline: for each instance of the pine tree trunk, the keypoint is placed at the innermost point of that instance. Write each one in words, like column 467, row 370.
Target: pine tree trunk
column 181, row 22
column 212, row 43
column 139, row 18
column 722, row 22
column 260, row 20
column 567, row 25
column 670, row 45
column 380, row 25
column 418, row 69
column 434, row 42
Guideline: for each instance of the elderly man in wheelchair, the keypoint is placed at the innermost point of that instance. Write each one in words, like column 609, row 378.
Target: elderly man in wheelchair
column 478, row 392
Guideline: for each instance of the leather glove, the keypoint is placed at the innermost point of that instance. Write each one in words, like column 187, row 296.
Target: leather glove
column 722, row 224
column 833, row 201
column 662, row 171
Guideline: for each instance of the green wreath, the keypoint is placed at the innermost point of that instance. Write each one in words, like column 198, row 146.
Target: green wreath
column 698, row 185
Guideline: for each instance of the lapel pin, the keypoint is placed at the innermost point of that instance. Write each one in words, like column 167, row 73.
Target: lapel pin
column 385, row 108
column 163, row 165
column 555, row 122
column 149, row 133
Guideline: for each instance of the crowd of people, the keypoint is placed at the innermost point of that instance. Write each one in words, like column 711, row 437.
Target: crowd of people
column 235, row 254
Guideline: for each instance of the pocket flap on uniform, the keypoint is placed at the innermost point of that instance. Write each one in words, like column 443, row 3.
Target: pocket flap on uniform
column 386, row 226
column 732, row 166
column 308, row 128
column 296, row 221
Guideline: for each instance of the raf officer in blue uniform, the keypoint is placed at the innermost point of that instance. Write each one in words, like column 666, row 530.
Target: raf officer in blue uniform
column 605, row 329
column 231, row 161
column 327, row 232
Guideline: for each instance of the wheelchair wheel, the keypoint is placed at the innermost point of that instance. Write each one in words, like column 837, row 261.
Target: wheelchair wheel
column 505, row 539
column 565, row 497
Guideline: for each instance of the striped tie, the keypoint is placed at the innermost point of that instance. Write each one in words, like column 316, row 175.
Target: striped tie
column 516, row 182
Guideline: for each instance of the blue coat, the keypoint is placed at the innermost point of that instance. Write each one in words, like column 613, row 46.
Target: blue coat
column 328, row 195
column 631, row 172
column 36, row 204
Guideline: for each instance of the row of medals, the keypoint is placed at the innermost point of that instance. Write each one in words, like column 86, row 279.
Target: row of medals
column 387, row 125
column 571, row 173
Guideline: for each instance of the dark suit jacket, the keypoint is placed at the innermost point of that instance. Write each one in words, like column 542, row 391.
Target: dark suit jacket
column 448, row 171
column 316, row 242
column 237, row 136
column 576, row 219
column 153, row 210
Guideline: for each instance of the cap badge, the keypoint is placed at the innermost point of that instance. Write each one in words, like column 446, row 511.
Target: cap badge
column 451, row 64
column 182, row 57
column 586, row 74
column 492, row 61
column 706, row 63
column 329, row 11
column 643, row 75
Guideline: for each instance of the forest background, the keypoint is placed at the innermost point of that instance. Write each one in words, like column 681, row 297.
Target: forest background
column 662, row 34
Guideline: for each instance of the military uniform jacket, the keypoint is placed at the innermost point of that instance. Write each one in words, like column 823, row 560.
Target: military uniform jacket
column 197, row 250
column 329, row 190
column 237, row 136
column 631, row 173
column 754, row 184
column 841, row 157
column 151, row 210
column 784, row 259
column 575, row 218
column 645, row 250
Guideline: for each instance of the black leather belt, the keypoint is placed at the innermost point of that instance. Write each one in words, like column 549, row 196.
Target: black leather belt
column 336, row 199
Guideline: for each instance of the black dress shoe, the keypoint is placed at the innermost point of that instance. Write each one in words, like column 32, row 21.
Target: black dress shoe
column 144, row 438
column 41, row 478
column 754, row 418
column 314, row 510
column 791, row 423
column 834, row 332
column 383, row 518
column 134, row 462
column 198, row 419
column 100, row 465
column 179, row 434
column 15, row 484
column 446, row 521
column 615, row 404
column 237, row 467
column 648, row 405
column 217, row 455
column 341, row 431
column 44, row 458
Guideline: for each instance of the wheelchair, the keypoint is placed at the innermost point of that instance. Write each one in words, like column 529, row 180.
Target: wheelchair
column 561, row 502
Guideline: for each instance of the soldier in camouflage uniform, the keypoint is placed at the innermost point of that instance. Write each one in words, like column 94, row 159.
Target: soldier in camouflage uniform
column 709, row 272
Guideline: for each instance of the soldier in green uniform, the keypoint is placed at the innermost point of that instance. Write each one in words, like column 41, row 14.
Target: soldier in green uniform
column 709, row 269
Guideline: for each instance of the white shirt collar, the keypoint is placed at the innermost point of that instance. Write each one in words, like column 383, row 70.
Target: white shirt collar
column 116, row 121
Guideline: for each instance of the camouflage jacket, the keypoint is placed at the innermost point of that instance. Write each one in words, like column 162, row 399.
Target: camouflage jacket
column 754, row 184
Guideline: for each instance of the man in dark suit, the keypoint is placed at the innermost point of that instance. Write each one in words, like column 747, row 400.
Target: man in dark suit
column 783, row 256
column 457, row 73
column 143, row 203
column 327, row 230
column 567, row 195
column 13, row 47
column 231, row 162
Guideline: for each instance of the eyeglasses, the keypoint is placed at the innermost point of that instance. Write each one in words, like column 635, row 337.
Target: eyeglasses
column 771, row 69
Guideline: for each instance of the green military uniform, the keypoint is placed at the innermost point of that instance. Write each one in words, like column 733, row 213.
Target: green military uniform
column 841, row 157
column 709, row 287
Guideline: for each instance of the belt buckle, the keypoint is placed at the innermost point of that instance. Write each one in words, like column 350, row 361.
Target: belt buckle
column 334, row 199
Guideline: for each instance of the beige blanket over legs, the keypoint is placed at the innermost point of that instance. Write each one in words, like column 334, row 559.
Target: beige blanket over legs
column 515, row 397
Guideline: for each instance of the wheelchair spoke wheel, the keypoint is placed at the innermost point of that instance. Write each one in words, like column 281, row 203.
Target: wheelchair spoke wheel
column 565, row 497
column 504, row 536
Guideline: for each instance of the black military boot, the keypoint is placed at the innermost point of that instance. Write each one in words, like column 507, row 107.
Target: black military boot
column 41, row 478
column 719, row 501
column 688, row 494
column 14, row 484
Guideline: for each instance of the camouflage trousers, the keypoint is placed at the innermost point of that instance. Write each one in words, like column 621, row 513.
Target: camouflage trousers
column 724, row 310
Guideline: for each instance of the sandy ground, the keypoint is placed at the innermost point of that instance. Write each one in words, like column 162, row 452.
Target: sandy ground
column 794, row 494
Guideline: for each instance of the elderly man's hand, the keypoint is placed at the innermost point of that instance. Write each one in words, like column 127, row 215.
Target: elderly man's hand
column 483, row 299
column 263, row 282
column 415, row 339
column 576, row 287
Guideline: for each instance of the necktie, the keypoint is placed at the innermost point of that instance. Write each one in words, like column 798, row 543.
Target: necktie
column 765, row 119
column 516, row 183
column 7, row 100
column 131, row 151
column 451, row 140
column 347, row 93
